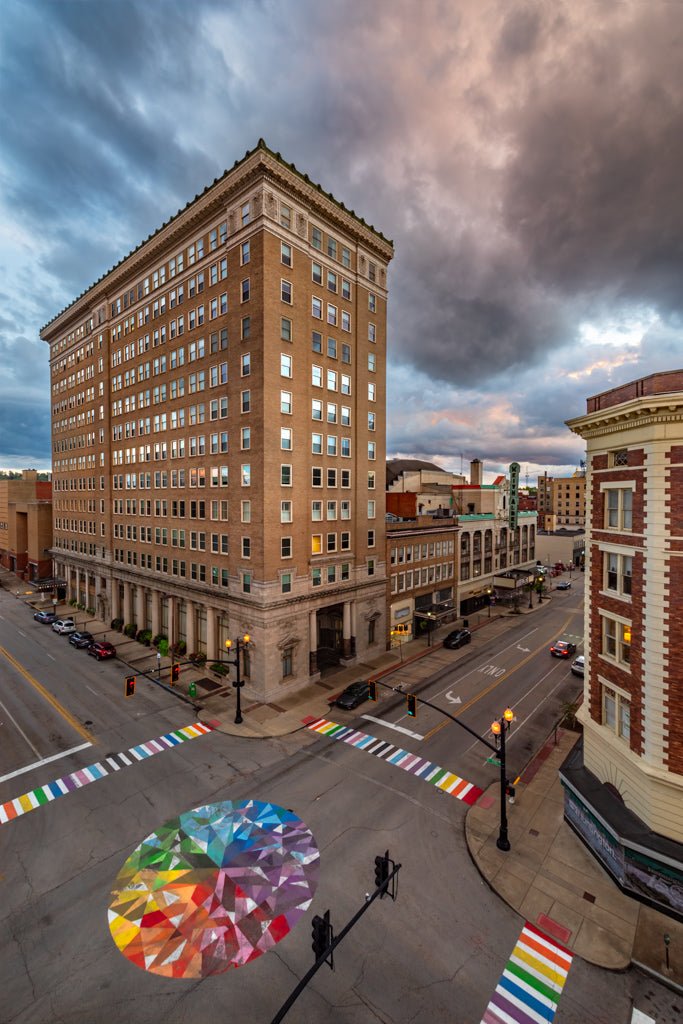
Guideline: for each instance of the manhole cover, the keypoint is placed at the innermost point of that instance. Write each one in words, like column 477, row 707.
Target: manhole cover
column 209, row 684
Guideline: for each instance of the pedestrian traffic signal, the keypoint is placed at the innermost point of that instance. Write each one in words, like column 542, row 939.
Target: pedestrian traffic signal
column 382, row 872
column 130, row 686
column 372, row 691
column 510, row 792
column 175, row 673
column 321, row 934
column 411, row 701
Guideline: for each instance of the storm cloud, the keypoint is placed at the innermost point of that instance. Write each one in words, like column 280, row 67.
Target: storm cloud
column 525, row 159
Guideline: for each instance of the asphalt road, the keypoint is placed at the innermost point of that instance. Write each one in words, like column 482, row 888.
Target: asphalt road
column 434, row 955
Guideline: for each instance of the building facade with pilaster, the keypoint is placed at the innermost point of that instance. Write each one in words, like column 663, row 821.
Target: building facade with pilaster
column 218, row 429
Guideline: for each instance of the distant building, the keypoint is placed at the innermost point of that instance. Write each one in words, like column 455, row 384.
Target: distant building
column 26, row 525
column 421, row 560
column 562, row 502
column 624, row 790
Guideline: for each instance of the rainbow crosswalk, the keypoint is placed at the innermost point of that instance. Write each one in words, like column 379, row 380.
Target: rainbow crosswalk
column 413, row 763
column 12, row 809
column 531, row 984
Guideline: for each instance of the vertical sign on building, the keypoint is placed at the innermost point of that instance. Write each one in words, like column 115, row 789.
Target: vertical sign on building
column 514, row 495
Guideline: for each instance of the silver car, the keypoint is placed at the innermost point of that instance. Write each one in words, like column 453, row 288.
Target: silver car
column 64, row 626
column 577, row 666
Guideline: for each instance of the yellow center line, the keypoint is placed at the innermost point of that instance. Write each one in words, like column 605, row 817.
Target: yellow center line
column 49, row 698
column 483, row 693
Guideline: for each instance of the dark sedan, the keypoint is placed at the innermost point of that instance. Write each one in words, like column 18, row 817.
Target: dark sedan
column 102, row 649
column 564, row 585
column 562, row 649
column 458, row 638
column 82, row 639
column 352, row 696
column 46, row 617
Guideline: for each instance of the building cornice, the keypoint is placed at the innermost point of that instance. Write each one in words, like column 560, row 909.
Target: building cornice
column 637, row 413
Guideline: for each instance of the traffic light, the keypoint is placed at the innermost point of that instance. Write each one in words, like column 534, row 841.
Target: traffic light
column 510, row 792
column 382, row 872
column 372, row 690
column 175, row 673
column 130, row 686
column 411, row 701
column 321, row 934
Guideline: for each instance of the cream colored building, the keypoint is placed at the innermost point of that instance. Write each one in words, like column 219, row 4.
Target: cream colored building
column 218, row 426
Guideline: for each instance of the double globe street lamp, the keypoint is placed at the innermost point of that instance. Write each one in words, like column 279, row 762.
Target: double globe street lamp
column 240, row 645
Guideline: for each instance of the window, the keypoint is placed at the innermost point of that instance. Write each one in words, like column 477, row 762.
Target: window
column 285, row 254
column 317, row 444
column 316, row 409
column 620, row 458
column 346, row 353
column 246, row 511
column 619, row 508
column 371, row 509
column 332, row 348
column 331, row 380
column 618, row 572
column 372, row 450
column 245, row 254
column 286, row 438
column 345, row 416
column 346, row 289
column 331, row 314
column 371, row 538
column 331, row 444
column 246, row 547
column 371, row 480
column 285, row 365
column 286, row 402
column 331, row 281
column 331, row 542
column 331, row 412
column 246, row 401
column 316, row 273
column 317, row 341
column 316, row 238
column 245, row 438
column 245, row 325
column 316, row 510
column 285, row 511
column 245, row 290
column 245, row 475
column 245, row 214
column 345, row 384
column 286, row 547
column 285, row 475
column 372, row 392
column 317, row 376
column 316, row 476
column 316, row 577
column 346, row 257
column 246, row 583
column 285, row 329
column 286, row 588
column 372, row 362
column 345, row 321
column 616, row 711
column 372, row 303
column 316, row 308
column 332, row 248
column 616, row 640
column 345, row 509
column 372, row 333
column 331, row 477
column 286, row 291
column 371, row 421
column 246, row 364
column 316, row 544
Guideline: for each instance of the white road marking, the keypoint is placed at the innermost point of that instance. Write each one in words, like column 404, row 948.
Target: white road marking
column 45, row 760
column 19, row 730
column 50, row 657
column 396, row 728
column 451, row 699
column 91, row 690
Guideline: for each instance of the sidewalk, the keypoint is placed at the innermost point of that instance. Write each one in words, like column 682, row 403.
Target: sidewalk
column 547, row 876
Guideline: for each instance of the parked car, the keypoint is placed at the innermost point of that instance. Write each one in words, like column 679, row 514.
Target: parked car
column 562, row 649
column 47, row 617
column 64, row 626
column 564, row 585
column 458, row 638
column 81, row 639
column 577, row 666
column 102, row 649
column 352, row 696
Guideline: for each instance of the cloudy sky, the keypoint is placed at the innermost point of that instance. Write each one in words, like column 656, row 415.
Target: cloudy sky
column 524, row 157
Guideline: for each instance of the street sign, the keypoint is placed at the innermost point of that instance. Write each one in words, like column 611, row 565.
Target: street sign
column 493, row 760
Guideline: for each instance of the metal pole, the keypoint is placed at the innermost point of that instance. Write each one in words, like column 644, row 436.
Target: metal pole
column 238, row 684
column 502, row 842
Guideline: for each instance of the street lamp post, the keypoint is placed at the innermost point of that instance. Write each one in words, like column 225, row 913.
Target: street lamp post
column 499, row 728
column 240, row 644
column 531, row 593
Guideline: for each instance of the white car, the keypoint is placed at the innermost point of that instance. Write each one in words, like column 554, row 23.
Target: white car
column 577, row 666
column 64, row 626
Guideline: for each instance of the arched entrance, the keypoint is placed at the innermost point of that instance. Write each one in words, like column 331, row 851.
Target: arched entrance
column 330, row 628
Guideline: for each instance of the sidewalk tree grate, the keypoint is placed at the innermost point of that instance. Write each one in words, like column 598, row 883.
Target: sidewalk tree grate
column 209, row 684
column 589, row 896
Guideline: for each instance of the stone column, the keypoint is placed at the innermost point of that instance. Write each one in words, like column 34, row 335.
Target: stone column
column 140, row 607
column 210, row 634
column 354, row 626
column 156, row 613
column 172, row 626
column 190, row 618
column 127, row 604
column 312, row 642
column 346, row 630
column 115, row 598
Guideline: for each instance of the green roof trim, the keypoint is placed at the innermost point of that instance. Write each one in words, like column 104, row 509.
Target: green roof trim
column 260, row 145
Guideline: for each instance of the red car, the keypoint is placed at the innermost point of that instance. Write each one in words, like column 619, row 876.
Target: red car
column 102, row 649
column 562, row 649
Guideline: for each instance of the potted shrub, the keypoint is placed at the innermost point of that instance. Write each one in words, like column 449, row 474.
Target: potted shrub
column 130, row 629
column 116, row 624
column 144, row 636
column 197, row 658
column 157, row 639
column 162, row 647
column 219, row 668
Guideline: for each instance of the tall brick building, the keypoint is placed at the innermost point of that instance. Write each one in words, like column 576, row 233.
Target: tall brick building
column 626, row 796
column 218, row 427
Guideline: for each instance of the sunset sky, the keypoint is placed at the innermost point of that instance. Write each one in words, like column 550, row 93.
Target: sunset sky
column 524, row 158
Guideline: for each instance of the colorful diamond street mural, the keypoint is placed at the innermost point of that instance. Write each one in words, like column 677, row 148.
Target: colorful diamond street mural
column 214, row 888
